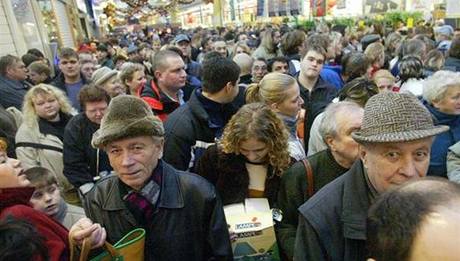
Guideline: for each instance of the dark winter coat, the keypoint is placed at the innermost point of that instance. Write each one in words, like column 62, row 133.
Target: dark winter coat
column 315, row 102
column 293, row 193
column 229, row 174
column 189, row 132
column 82, row 162
column 12, row 92
column 332, row 224
column 188, row 222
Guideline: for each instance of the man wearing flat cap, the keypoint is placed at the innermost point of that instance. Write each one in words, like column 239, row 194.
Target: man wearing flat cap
column 180, row 211
column 394, row 147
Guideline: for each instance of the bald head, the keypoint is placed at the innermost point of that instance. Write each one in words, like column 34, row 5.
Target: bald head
column 414, row 215
column 244, row 61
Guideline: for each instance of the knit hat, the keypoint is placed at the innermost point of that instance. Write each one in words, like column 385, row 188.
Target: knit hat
column 396, row 117
column 127, row 116
column 101, row 75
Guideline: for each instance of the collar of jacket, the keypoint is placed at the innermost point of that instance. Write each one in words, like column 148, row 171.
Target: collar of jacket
column 15, row 196
column 18, row 85
column 441, row 117
column 171, row 195
column 320, row 84
column 355, row 203
column 59, row 81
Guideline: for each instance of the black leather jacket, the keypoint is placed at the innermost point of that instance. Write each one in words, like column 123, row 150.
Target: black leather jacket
column 188, row 224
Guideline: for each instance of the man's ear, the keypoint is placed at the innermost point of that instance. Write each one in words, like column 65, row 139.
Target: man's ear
column 362, row 152
column 229, row 87
column 157, row 74
column 329, row 140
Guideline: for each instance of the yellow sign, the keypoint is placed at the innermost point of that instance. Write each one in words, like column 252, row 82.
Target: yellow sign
column 410, row 22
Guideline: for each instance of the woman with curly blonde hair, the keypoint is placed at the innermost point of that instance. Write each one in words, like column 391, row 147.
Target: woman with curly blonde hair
column 282, row 94
column 39, row 139
column 250, row 158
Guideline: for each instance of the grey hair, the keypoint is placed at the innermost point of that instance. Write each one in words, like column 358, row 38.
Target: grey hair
column 328, row 125
column 435, row 87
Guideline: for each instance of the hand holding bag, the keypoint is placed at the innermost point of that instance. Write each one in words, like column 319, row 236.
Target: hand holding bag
column 130, row 248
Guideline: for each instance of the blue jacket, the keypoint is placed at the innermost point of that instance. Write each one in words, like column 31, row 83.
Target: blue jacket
column 331, row 74
column 12, row 92
column 442, row 141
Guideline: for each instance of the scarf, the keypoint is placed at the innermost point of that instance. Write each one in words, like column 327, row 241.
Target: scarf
column 291, row 125
column 54, row 128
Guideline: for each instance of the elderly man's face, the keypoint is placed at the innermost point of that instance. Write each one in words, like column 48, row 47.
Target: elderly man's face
column 134, row 159
column 259, row 69
column 343, row 146
column 17, row 71
column 221, row 48
column 390, row 164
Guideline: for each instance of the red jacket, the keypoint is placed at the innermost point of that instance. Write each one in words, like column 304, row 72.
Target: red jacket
column 160, row 103
column 14, row 202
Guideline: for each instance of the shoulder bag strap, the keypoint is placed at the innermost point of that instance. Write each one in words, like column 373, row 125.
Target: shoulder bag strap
column 309, row 173
column 38, row 146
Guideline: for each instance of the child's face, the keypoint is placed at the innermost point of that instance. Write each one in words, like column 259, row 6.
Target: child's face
column 46, row 199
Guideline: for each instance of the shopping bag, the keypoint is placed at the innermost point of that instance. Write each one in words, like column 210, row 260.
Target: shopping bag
column 129, row 248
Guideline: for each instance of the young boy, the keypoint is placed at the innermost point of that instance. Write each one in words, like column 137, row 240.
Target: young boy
column 47, row 197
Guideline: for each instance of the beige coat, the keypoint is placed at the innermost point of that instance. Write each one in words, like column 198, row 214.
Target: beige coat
column 73, row 214
column 47, row 158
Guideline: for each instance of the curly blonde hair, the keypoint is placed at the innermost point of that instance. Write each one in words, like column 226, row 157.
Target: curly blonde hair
column 257, row 120
column 30, row 115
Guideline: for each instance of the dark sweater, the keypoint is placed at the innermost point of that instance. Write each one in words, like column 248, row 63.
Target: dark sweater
column 292, row 193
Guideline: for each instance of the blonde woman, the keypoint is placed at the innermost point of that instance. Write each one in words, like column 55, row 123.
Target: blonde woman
column 282, row 94
column 46, row 111
column 250, row 158
column 268, row 48
column 240, row 48
column 132, row 76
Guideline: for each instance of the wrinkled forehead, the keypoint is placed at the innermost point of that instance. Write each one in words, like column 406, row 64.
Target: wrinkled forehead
column 404, row 146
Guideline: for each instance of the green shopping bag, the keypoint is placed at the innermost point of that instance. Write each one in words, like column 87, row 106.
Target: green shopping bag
column 129, row 248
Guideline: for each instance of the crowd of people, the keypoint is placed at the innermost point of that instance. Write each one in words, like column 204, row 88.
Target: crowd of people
column 337, row 127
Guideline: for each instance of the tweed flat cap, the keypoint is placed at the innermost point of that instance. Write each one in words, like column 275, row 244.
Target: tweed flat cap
column 127, row 116
column 103, row 74
column 396, row 117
